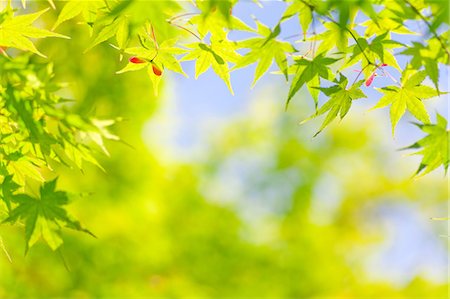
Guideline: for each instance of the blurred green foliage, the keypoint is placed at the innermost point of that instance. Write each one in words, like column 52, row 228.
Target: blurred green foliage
column 243, row 221
column 167, row 230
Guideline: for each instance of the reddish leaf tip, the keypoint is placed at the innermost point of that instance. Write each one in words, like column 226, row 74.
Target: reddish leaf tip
column 136, row 60
column 156, row 70
column 370, row 79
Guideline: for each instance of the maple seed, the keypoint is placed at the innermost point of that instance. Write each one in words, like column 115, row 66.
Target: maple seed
column 384, row 64
column 156, row 70
column 136, row 60
column 370, row 80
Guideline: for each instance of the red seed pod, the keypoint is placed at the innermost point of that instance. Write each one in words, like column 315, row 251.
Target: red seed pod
column 156, row 70
column 370, row 80
column 136, row 60
column 384, row 64
column 3, row 50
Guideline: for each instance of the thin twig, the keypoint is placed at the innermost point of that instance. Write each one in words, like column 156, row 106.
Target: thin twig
column 353, row 36
column 417, row 12
column 181, row 16
column 2, row 246
column 184, row 28
column 314, row 42
column 390, row 76
column 359, row 74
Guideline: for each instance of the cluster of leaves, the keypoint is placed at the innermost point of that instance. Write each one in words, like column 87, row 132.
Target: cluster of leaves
column 334, row 48
column 158, row 36
column 37, row 133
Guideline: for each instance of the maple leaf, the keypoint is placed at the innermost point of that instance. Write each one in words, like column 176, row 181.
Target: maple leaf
column 162, row 55
column 368, row 52
column 43, row 216
column 8, row 187
column 212, row 55
column 408, row 96
column 217, row 22
column 305, row 14
column 309, row 72
column 16, row 31
column 388, row 20
column 333, row 36
column 340, row 100
column 428, row 56
column 74, row 8
column 154, row 56
column 264, row 50
column 116, row 28
column 434, row 147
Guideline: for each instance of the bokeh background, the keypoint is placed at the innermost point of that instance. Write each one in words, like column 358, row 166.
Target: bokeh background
column 221, row 196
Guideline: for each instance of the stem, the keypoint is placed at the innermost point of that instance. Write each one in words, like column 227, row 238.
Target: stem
column 417, row 12
column 353, row 36
column 3, row 247
column 291, row 36
column 313, row 44
column 181, row 16
column 107, row 5
column 390, row 76
column 184, row 28
column 151, row 34
column 359, row 74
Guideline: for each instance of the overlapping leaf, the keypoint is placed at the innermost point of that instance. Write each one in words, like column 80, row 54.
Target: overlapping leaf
column 153, row 56
column 434, row 147
column 43, row 216
column 339, row 102
column 73, row 8
column 16, row 31
column 407, row 97
column 213, row 56
column 304, row 12
column 427, row 56
column 265, row 50
column 309, row 72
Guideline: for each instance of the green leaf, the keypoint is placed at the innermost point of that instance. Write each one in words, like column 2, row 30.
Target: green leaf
column 75, row 7
column 44, row 216
column 333, row 36
column 8, row 187
column 206, row 56
column 264, row 50
column 16, row 31
column 434, row 147
column 387, row 20
column 107, row 32
column 217, row 23
column 122, row 33
column 409, row 97
column 305, row 15
column 310, row 71
column 432, row 69
column 340, row 101
column 425, row 56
